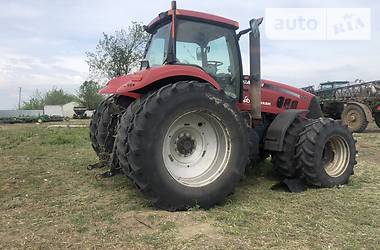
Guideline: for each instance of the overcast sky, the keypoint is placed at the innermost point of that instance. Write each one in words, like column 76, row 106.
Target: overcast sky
column 43, row 42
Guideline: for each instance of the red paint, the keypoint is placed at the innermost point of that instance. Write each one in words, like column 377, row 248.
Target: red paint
column 126, row 85
column 153, row 22
column 271, row 91
column 199, row 15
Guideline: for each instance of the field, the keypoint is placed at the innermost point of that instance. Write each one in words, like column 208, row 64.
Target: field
column 49, row 200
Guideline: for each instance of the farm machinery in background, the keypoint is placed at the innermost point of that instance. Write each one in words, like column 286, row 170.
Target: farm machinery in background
column 356, row 103
column 80, row 113
column 30, row 119
column 41, row 116
column 184, row 128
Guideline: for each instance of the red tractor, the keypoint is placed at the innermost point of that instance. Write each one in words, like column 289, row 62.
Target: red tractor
column 185, row 126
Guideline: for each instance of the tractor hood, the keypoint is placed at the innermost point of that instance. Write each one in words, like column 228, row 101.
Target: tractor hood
column 129, row 85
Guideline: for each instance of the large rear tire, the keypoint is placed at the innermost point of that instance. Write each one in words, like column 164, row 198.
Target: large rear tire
column 119, row 158
column 186, row 145
column 284, row 162
column 326, row 153
column 103, row 125
column 94, row 126
column 355, row 118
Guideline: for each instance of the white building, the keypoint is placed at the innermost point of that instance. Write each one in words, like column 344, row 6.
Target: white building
column 66, row 110
column 55, row 110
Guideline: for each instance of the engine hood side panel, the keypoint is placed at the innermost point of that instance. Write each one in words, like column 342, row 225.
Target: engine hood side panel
column 270, row 93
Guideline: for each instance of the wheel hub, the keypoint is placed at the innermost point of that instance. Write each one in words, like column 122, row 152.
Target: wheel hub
column 185, row 144
column 352, row 119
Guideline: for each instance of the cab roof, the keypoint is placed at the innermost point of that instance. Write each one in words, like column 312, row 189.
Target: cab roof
column 195, row 15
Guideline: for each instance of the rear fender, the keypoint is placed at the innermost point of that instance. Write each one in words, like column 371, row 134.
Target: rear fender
column 274, row 138
column 133, row 85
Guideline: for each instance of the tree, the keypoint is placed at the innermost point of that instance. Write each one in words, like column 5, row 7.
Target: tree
column 52, row 97
column 36, row 102
column 118, row 54
column 58, row 97
column 88, row 94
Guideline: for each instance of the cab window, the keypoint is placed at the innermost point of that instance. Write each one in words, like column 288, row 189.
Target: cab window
column 213, row 48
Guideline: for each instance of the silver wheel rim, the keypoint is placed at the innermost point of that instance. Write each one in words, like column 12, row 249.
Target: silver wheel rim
column 336, row 156
column 196, row 149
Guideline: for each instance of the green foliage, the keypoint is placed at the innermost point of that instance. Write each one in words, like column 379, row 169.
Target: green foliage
column 118, row 54
column 88, row 94
column 10, row 139
column 64, row 137
column 58, row 97
column 52, row 97
column 36, row 101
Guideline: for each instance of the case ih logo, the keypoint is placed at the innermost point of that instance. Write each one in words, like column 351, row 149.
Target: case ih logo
column 318, row 23
column 247, row 100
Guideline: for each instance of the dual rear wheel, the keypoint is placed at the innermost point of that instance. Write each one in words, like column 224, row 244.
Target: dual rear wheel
column 322, row 151
column 185, row 145
column 326, row 153
column 103, row 126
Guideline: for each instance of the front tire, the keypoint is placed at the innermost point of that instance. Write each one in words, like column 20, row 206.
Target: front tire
column 186, row 145
column 326, row 153
column 284, row 162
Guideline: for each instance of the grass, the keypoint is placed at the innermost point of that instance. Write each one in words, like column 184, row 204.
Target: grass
column 49, row 200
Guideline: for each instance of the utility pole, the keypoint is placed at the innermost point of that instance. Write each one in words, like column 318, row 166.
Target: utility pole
column 19, row 99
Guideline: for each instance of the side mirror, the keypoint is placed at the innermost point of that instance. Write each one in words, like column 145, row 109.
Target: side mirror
column 144, row 64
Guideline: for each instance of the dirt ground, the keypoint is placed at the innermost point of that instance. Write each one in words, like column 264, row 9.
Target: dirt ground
column 49, row 200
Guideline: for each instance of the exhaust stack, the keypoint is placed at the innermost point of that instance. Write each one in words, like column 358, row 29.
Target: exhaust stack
column 255, row 69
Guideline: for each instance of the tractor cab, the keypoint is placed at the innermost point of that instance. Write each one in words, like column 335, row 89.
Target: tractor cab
column 333, row 85
column 197, row 39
